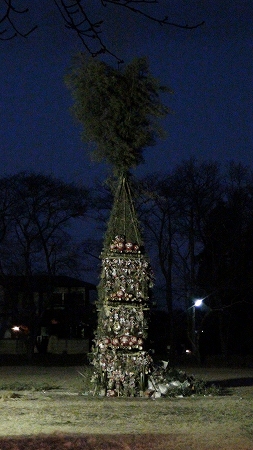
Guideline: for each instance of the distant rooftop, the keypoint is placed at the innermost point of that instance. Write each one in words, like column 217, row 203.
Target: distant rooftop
column 39, row 281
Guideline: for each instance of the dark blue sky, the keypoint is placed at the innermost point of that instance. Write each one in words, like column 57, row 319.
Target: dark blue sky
column 210, row 70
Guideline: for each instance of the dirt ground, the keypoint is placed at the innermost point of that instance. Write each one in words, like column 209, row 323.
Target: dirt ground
column 66, row 418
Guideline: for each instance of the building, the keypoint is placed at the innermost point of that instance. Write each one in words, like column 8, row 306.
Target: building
column 41, row 303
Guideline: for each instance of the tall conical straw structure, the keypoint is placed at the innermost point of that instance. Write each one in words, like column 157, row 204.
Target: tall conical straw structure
column 120, row 356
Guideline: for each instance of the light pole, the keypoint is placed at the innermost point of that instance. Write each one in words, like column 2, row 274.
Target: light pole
column 196, row 304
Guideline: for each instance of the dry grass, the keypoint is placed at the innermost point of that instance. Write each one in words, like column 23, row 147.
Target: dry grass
column 63, row 418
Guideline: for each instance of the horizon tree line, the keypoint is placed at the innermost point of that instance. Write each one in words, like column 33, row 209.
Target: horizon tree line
column 197, row 222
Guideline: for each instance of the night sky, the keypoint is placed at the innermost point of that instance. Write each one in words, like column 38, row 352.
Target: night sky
column 209, row 69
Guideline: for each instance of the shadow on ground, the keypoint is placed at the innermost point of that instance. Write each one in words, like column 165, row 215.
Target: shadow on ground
column 91, row 442
column 233, row 382
column 226, row 386
column 44, row 360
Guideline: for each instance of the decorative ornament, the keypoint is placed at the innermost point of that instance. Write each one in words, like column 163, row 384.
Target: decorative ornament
column 133, row 340
column 120, row 294
column 124, row 340
column 129, row 247
column 120, row 246
column 115, row 342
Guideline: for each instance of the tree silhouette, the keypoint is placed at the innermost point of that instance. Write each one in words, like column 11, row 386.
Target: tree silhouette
column 35, row 212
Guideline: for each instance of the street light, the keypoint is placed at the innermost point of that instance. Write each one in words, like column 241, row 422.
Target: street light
column 196, row 304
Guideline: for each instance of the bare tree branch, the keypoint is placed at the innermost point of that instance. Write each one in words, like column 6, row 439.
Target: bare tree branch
column 163, row 21
column 75, row 16
column 76, row 19
column 6, row 19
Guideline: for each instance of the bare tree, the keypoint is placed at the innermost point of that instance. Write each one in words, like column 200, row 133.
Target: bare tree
column 41, row 209
column 5, row 206
column 159, row 217
column 174, row 216
column 225, row 266
column 77, row 17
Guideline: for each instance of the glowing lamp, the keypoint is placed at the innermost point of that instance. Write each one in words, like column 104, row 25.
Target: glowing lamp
column 198, row 302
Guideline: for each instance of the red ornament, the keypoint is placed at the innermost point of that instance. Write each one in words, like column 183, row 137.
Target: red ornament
column 120, row 293
column 115, row 342
column 129, row 246
column 120, row 246
column 133, row 340
column 124, row 340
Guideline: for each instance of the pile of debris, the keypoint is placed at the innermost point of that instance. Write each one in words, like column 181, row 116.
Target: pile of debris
column 168, row 382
